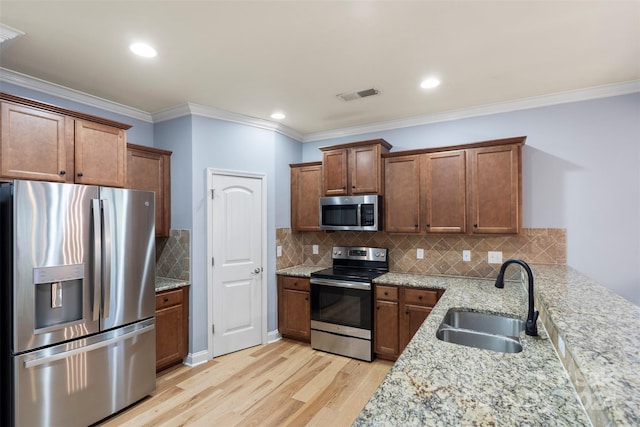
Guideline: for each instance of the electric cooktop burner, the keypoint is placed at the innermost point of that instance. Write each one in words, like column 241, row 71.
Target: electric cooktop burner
column 356, row 264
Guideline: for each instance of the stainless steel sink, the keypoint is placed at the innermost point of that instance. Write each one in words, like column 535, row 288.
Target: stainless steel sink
column 480, row 340
column 481, row 330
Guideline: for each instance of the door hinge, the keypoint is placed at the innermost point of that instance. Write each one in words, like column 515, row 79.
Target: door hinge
column 213, row 193
column 213, row 329
column 213, row 263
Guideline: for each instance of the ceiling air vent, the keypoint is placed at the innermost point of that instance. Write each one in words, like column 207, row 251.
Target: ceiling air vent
column 8, row 34
column 357, row 95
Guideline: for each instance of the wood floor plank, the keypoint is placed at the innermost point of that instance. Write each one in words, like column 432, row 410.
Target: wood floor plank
column 278, row 384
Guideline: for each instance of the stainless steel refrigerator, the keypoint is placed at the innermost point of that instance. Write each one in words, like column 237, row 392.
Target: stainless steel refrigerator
column 77, row 297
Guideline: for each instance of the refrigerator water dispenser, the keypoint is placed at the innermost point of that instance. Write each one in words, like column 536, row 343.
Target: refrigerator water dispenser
column 58, row 295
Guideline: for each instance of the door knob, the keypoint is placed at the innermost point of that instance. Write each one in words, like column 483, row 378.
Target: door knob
column 256, row 271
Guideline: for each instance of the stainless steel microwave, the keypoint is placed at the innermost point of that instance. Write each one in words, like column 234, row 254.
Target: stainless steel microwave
column 351, row 213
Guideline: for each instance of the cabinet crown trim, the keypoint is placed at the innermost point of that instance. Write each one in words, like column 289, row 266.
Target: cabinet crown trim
column 55, row 109
column 149, row 149
column 378, row 141
column 302, row 165
column 489, row 143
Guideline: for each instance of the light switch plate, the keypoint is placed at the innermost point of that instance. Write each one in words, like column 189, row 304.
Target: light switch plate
column 420, row 254
column 278, row 250
column 466, row 255
column 495, row 257
column 315, row 249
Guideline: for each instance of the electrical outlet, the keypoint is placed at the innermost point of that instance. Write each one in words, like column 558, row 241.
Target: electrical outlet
column 315, row 249
column 278, row 250
column 495, row 257
column 420, row 254
column 466, row 255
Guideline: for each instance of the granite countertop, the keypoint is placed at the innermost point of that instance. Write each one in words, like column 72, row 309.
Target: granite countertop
column 165, row 283
column 300, row 270
column 438, row 383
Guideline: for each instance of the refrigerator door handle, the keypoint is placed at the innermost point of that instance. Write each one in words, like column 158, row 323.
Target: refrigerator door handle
column 97, row 257
column 106, row 218
column 85, row 349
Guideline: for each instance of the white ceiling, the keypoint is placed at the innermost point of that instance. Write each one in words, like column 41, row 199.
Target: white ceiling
column 253, row 58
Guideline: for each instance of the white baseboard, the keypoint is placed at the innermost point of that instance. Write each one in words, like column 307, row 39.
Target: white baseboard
column 195, row 359
column 273, row 336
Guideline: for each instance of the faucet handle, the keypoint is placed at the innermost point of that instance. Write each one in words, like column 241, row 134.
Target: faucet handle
column 531, row 328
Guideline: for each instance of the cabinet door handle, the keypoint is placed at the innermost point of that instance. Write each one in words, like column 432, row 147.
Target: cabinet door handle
column 386, row 293
column 63, row 172
column 415, row 225
column 80, row 174
column 419, row 296
column 166, row 299
column 475, row 225
column 428, row 225
column 306, row 298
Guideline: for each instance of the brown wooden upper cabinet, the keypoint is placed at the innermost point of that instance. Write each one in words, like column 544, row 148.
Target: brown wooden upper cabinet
column 306, row 189
column 495, row 189
column 354, row 168
column 43, row 142
column 150, row 169
column 33, row 144
column 100, row 154
column 474, row 188
column 402, row 194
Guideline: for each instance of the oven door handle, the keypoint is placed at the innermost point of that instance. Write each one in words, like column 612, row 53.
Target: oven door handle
column 341, row 284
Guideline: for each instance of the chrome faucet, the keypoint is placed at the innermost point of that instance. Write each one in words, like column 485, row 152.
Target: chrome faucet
column 532, row 317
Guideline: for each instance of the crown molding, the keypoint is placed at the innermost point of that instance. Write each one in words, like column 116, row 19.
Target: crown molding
column 483, row 110
column 43, row 86
column 216, row 113
column 49, row 88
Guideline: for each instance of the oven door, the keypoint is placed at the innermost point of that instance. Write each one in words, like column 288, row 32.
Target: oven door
column 341, row 318
column 346, row 304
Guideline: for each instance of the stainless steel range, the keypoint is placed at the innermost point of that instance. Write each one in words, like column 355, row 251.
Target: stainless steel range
column 342, row 301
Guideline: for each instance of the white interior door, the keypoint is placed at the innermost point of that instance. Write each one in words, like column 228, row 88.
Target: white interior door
column 236, row 246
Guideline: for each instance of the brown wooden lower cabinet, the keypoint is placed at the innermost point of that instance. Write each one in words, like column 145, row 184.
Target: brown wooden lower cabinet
column 398, row 313
column 172, row 327
column 294, row 308
column 385, row 325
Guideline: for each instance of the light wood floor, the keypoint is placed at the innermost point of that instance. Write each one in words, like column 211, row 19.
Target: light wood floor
column 281, row 384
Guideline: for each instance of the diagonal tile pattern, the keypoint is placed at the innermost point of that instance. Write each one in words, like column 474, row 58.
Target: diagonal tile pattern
column 442, row 253
column 173, row 255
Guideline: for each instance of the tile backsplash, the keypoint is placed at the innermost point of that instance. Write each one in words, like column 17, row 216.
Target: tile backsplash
column 173, row 255
column 442, row 253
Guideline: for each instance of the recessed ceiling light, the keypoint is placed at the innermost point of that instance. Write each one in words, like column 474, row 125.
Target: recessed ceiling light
column 278, row 116
column 143, row 49
column 430, row 83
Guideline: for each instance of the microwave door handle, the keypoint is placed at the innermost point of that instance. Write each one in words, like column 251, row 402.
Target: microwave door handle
column 359, row 214
column 97, row 257
column 106, row 218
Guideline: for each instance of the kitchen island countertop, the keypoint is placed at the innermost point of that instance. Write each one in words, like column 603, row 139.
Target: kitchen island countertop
column 438, row 383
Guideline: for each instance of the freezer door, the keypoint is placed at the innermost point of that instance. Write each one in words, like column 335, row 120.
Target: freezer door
column 128, row 256
column 84, row 381
column 52, row 264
